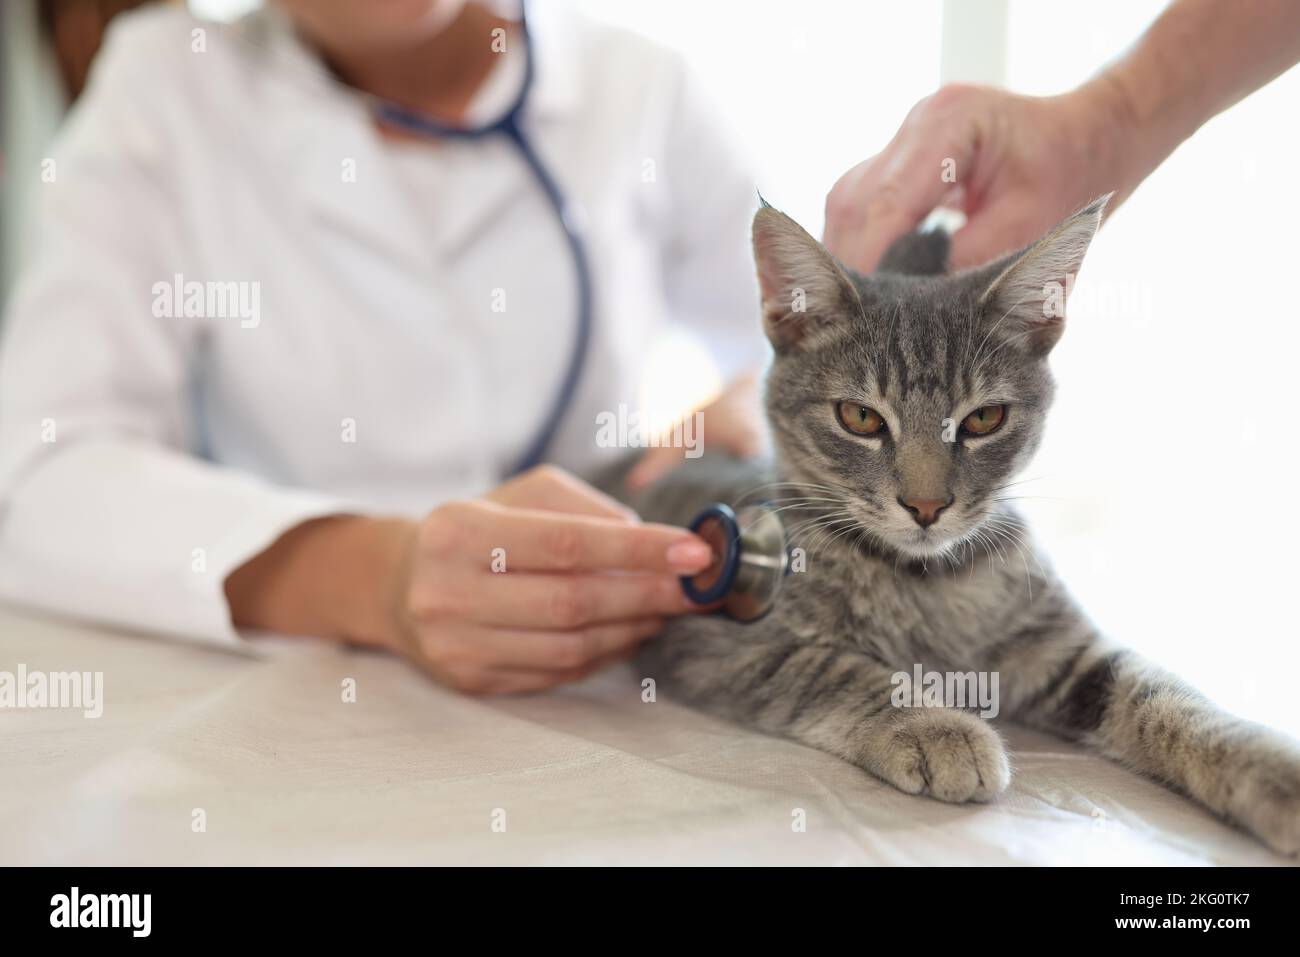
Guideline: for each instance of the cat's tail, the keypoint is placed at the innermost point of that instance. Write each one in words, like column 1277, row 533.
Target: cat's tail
column 918, row 254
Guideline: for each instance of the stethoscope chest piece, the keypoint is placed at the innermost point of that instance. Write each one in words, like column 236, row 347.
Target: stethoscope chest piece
column 749, row 560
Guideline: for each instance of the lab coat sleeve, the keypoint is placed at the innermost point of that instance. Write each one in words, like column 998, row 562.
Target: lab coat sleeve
column 710, row 277
column 104, row 512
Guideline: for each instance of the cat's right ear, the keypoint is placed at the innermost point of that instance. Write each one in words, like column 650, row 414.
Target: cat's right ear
column 806, row 294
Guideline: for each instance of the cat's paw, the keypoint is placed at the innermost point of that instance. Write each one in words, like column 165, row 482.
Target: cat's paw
column 1266, row 793
column 951, row 755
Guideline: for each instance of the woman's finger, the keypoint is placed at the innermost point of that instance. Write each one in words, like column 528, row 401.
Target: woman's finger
column 1002, row 226
column 535, row 649
column 905, row 190
column 553, row 489
column 520, row 539
column 892, row 193
column 516, row 681
column 559, row 602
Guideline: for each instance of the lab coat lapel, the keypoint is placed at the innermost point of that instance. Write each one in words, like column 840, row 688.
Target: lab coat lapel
column 493, row 173
column 338, row 155
column 335, row 155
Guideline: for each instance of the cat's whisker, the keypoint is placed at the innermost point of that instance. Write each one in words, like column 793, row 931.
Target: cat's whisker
column 800, row 505
column 1015, row 533
column 818, row 514
column 808, row 530
column 1006, row 485
column 986, row 543
column 848, row 531
column 808, row 502
column 810, row 486
column 994, row 542
column 841, row 521
column 1008, row 533
column 832, row 528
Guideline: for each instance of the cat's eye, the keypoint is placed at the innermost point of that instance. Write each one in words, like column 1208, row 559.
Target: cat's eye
column 860, row 419
column 984, row 421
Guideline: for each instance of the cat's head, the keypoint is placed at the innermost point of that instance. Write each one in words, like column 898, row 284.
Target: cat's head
column 911, row 400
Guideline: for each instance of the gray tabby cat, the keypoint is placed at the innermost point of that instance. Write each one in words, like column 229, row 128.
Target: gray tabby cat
column 902, row 404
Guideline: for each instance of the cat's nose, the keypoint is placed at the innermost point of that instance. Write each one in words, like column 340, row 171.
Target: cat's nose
column 925, row 510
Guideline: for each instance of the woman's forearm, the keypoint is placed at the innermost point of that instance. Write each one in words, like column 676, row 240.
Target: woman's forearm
column 336, row 577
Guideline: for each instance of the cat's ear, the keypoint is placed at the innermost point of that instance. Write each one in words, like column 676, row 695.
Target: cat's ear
column 806, row 294
column 1027, row 292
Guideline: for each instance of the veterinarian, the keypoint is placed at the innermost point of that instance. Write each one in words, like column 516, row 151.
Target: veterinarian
column 1023, row 163
column 305, row 312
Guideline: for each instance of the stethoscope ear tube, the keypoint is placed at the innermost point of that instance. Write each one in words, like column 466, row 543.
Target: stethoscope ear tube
column 750, row 560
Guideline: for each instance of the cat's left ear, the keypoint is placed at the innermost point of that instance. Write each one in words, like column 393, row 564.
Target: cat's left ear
column 807, row 296
column 1027, row 294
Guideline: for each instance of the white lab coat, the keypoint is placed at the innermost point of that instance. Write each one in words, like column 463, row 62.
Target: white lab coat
column 143, row 457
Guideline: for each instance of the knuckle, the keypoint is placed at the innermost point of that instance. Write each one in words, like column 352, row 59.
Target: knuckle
column 569, row 605
column 442, row 534
column 947, row 97
column 548, row 474
column 563, row 546
column 422, row 600
column 842, row 207
column 885, row 199
column 433, row 601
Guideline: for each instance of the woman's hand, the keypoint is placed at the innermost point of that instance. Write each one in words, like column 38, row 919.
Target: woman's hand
column 732, row 422
column 540, row 582
column 1015, row 165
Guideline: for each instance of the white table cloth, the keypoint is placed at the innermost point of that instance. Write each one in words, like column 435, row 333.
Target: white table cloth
column 286, row 772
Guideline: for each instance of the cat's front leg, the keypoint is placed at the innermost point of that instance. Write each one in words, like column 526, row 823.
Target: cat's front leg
column 1148, row 719
column 832, row 699
column 946, row 753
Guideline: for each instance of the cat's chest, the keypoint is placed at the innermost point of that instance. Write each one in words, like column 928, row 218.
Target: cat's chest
column 900, row 616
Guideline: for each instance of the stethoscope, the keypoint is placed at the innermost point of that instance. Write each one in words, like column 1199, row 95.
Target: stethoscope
column 750, row 559
column 510, row 126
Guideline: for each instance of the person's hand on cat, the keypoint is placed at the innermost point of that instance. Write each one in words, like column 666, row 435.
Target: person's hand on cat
column 1015, row 165
column 733, row 422
column 540, row 582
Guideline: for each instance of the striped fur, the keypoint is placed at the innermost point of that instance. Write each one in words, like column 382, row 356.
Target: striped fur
column 971, row 593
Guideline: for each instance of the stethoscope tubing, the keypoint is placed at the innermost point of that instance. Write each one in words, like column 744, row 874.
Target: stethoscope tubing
column 509, row 125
